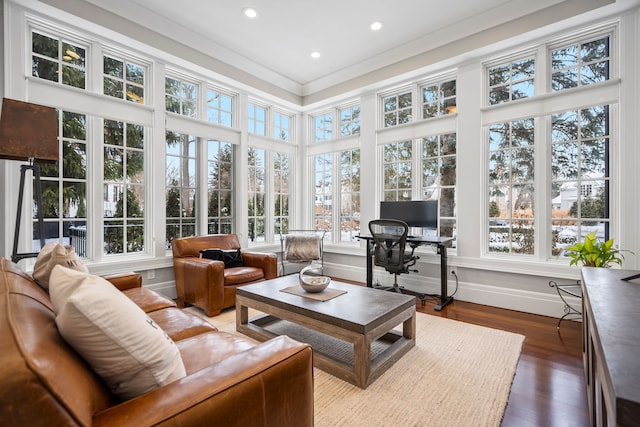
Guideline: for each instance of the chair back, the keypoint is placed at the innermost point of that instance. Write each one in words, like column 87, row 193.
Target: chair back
column 390, row 239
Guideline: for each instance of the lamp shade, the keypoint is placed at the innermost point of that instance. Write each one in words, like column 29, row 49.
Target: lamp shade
column 28, row 131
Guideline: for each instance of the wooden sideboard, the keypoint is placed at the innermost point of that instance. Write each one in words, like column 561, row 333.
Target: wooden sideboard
column 611, row 346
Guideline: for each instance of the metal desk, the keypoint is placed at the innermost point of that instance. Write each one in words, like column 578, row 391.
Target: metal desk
column 440, row 243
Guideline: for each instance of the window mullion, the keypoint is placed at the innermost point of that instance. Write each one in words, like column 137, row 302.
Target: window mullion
column 95, row 227
column 336, row 198
column 202, row 203
column 416, row 170
column 542, row 198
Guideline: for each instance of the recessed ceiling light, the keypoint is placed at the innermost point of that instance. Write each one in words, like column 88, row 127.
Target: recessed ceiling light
column 315, row 55
column 375, row 26
column 249, row 12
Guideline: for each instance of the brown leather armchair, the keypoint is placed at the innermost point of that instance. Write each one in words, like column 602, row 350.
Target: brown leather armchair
column 206, row 283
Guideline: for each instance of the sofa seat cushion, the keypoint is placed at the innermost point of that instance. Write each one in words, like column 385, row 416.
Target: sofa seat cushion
column 148, row 300
column 211, row 348
column 238, row 275
column 179, row 324
column 116, row 338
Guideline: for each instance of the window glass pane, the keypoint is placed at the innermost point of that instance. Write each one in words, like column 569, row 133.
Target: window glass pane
column 397, row 167
column 123, row 188
column 281, row 178
column 349, row 195
column 180, row 186
column 580, row 177
column 323, row 205
column 256, row 194
column 64, row 188
column 219, row 187
column 511, row 187
column 439, row 177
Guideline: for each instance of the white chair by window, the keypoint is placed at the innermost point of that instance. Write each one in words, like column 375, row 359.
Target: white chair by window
column 302, row 246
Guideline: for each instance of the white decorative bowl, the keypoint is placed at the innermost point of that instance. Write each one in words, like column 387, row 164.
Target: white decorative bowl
column 314, row 284
column 312, row 280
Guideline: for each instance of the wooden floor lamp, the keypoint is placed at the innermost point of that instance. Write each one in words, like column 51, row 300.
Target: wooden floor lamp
column 28, row 132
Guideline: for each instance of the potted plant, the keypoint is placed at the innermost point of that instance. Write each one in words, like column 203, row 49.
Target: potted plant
column 592, row 253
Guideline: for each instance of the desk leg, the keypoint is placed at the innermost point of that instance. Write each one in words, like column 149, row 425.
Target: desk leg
column 444, row 299
column 369, row 265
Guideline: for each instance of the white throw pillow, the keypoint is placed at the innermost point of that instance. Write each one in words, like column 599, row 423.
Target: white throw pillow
column 118, row 340
column 53, row 254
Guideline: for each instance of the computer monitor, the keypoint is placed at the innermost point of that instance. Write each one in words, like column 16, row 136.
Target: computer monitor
column 416, row 213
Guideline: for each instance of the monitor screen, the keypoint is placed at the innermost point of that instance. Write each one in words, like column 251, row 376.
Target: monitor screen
column 416, row 213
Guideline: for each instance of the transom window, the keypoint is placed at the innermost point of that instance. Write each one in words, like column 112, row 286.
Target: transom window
column 439, row 99
column 397, row 109
column 323, row 127
column 123, row 79
column 181, row 97
column 58, row 61
column 349, row 120
column 257, row 119
column 512, row 80
column 219, row 108
column 281, row 126
column 581, row 63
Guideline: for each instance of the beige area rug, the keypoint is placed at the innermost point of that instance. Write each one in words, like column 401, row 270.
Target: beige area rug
column 457, row 375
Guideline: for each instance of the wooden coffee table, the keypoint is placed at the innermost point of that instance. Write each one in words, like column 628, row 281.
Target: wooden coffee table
column 351, row 334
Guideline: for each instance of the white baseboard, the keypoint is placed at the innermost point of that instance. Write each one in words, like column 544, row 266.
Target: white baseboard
column 545, row 304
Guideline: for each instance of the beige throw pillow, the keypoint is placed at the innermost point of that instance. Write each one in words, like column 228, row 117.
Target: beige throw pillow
column 53, row 254
column 118, row 340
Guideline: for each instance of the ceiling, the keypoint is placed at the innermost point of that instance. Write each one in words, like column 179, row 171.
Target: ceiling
column 276, row 45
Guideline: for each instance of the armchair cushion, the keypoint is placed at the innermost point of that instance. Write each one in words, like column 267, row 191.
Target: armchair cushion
column 123, row 345
column 232, row 258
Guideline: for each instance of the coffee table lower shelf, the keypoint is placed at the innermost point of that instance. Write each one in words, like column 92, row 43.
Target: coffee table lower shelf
column 356, row 358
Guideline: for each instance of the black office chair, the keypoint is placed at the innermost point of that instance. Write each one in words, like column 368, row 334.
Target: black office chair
column 390, row 240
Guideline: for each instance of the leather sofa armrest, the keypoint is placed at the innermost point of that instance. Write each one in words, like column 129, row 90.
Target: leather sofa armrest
column 268, row 262
column 258, row 386
column 125, row 281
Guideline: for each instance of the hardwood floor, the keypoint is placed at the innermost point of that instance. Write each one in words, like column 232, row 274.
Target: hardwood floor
column 549, row 388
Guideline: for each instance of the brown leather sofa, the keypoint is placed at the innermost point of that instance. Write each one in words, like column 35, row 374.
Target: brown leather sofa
column 231, row 381
column 206, row 283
